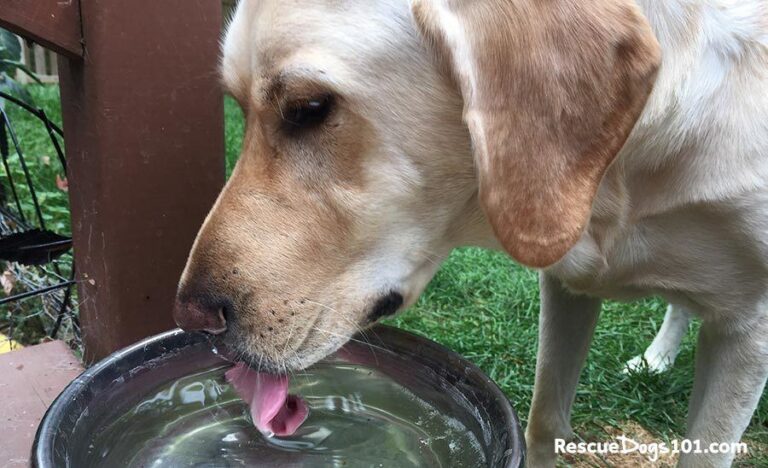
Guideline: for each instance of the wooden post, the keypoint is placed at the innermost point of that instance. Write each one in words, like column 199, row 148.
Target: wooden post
column 143, row 120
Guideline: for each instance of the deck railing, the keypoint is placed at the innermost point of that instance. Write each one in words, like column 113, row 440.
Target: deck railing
column 43, row 62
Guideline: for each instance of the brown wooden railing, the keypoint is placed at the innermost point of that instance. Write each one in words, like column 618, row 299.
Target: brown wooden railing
column 143, row 124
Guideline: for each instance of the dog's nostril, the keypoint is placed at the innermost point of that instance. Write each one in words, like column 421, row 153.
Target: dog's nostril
column 386, row 306
column 194, row 315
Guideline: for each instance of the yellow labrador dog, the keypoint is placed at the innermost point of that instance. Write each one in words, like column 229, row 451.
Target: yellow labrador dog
column 619, row 146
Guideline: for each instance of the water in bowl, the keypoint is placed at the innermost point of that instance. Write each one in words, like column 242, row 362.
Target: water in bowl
column 358, row 418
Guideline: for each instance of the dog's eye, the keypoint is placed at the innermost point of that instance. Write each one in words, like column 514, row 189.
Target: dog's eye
column 308, row 113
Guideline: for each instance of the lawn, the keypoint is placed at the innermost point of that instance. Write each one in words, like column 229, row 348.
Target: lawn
column 485, row 307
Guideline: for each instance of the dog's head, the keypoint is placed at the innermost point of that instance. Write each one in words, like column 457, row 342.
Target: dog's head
column 381, row 135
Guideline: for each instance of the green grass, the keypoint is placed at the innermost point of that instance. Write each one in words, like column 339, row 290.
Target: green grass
column 24, row 320
column 40, row 157
column 485, row 307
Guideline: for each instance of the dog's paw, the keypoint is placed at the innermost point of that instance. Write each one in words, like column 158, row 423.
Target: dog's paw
column 655, row 364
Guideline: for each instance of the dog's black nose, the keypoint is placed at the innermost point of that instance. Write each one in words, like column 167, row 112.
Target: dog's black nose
column 197, row 315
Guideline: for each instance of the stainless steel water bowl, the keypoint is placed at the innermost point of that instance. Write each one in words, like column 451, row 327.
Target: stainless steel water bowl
column 435, row 374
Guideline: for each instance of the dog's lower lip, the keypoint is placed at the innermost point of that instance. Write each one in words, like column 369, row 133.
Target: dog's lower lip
column 256, row 365
column 228, row 352
column 386, row 305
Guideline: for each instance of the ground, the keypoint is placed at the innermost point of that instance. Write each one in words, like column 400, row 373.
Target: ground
column 485, row 307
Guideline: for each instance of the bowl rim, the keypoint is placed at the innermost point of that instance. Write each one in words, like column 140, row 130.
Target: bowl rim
column 43, row 449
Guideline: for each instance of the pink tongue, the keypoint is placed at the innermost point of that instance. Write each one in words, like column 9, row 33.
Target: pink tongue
column 272, row 409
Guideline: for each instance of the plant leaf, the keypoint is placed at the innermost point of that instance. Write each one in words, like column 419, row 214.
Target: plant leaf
column 11, row 86
column 10, row 45
column 62, row 183
column 11, row 65
column 4, row 147
column 33, row 247
column 7, row 282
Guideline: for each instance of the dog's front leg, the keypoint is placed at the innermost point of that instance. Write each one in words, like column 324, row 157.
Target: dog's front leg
column 731, row 370
column 566, row 325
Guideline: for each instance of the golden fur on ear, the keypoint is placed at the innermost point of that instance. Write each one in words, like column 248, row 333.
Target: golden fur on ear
column 551, row 92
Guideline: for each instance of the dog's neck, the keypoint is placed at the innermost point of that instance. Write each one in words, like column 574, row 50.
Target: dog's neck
column 702, row 138
column 702, row 135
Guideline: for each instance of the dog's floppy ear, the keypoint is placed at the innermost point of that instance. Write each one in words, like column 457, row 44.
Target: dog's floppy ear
column 551, row 92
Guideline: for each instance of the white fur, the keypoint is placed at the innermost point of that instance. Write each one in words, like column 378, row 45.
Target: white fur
column 662, row 352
